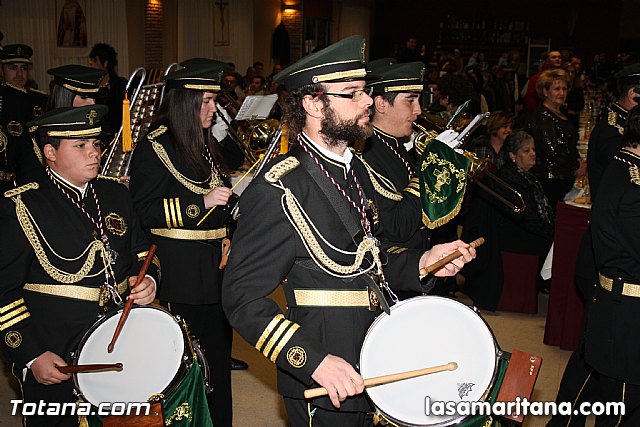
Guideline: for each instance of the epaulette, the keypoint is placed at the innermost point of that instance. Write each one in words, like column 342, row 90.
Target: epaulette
column 280, row 169
column 41, row 92
column 156, row 133
column 19, row 190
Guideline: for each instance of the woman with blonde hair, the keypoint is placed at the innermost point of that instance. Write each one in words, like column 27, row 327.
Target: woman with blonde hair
column 555, row 137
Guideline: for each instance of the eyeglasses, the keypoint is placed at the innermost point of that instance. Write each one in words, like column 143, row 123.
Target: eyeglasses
column 355, row 96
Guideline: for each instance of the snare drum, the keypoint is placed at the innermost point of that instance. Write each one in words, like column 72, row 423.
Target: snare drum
column 153, row 347
column 423, row 332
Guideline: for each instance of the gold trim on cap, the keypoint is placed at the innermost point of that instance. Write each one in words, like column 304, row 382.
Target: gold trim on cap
column 360, row 72
column 74, row 133
column 405, row 88
column 219, row 233
column 212, row 88
column 327, row 64
column 10, row 60
column 80, row 89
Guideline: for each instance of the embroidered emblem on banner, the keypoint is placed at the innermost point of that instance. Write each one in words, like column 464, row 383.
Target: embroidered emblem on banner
column 297, row 357
column 180, row 413
column 193, row 211
column 115, row 224
column 13, row 339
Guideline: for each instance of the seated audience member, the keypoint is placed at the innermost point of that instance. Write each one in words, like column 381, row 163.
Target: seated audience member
column 528, row 232
column 491, row 147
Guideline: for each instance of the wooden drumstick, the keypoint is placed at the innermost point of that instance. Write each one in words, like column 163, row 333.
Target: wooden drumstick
column 390, row 378
column 444, row 261
column 129, row 304
column 72, row 369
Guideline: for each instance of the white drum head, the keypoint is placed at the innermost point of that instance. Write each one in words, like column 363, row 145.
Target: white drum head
column 150, row 347
column 423, row 332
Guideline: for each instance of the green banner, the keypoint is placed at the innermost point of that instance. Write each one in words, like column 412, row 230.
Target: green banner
column 443, row 180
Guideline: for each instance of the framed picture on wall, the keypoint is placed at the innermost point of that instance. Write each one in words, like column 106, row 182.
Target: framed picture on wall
column 221, row 24
column 71, row 28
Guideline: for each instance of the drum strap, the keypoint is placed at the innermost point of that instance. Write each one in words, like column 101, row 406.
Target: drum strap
column 336, row 199
column 85, row 293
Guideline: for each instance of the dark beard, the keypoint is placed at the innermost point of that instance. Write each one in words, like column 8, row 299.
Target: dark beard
column 338, row 132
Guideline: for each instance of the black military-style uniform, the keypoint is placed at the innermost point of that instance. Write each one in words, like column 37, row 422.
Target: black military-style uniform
column 169, row 197
column 605, row 141
column 39, row 312
column 399, row 206
column 272, row 247
column 612, row 334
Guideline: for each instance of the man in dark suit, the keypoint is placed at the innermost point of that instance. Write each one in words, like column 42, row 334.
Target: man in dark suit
column 308, row 222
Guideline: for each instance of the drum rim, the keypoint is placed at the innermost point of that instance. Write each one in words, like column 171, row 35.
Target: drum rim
column 177, row 378
column 485, row 395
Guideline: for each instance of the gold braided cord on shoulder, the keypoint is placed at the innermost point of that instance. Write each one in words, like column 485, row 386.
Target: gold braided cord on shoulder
column 191, row 185
column 18, row 190
column 24, row 218
column 368, row 244
column 392, row 193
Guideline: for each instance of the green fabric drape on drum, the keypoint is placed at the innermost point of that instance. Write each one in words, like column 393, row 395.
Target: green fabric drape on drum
column 484, row 420
column 186, row 406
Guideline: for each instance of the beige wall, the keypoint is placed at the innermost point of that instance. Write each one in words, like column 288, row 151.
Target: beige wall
column 266, row 17
column 135, row 27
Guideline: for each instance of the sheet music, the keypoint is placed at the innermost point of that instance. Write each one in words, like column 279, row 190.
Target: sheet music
column 256, row 107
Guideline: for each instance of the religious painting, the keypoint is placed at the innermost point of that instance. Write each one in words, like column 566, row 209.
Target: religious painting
column 71, row 28
column 221, row 22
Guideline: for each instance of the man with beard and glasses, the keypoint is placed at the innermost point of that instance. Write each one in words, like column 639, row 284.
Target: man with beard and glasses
column 309, row 222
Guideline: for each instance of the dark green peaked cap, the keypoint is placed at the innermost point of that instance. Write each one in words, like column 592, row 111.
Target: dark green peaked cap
column 70, row 122
column 199, row 74
column 405, row 77
column 16, row 53
column 629, row 75
column 79, row 79
column 339, row 62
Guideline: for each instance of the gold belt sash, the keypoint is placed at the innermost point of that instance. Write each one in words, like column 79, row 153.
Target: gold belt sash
column 333, row 298
column 181, row 234
column 628, row 289
column 74, row 291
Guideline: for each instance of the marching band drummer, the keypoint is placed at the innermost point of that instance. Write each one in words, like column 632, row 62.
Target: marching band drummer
column 177, row 175
column 307, row 223
column 71, row 246
column 393, row 170
column 396, row 105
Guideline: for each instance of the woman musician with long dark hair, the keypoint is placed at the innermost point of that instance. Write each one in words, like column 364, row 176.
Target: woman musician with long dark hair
column 177, row 175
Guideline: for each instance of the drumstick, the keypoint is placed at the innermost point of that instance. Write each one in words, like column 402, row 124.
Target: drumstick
column 390, row 378
column 444, row 261
column 129, row 304
column 232, row 188
column 72, row 369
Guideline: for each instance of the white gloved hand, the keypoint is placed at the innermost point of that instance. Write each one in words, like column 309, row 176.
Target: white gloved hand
column 219, row 130
column 449, row 137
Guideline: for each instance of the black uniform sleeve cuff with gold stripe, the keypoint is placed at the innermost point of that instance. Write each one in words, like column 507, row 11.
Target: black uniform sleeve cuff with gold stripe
column 284, row 343
column 413, row 187
column 15, row 331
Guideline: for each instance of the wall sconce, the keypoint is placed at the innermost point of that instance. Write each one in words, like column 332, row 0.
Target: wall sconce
column 290, row 6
